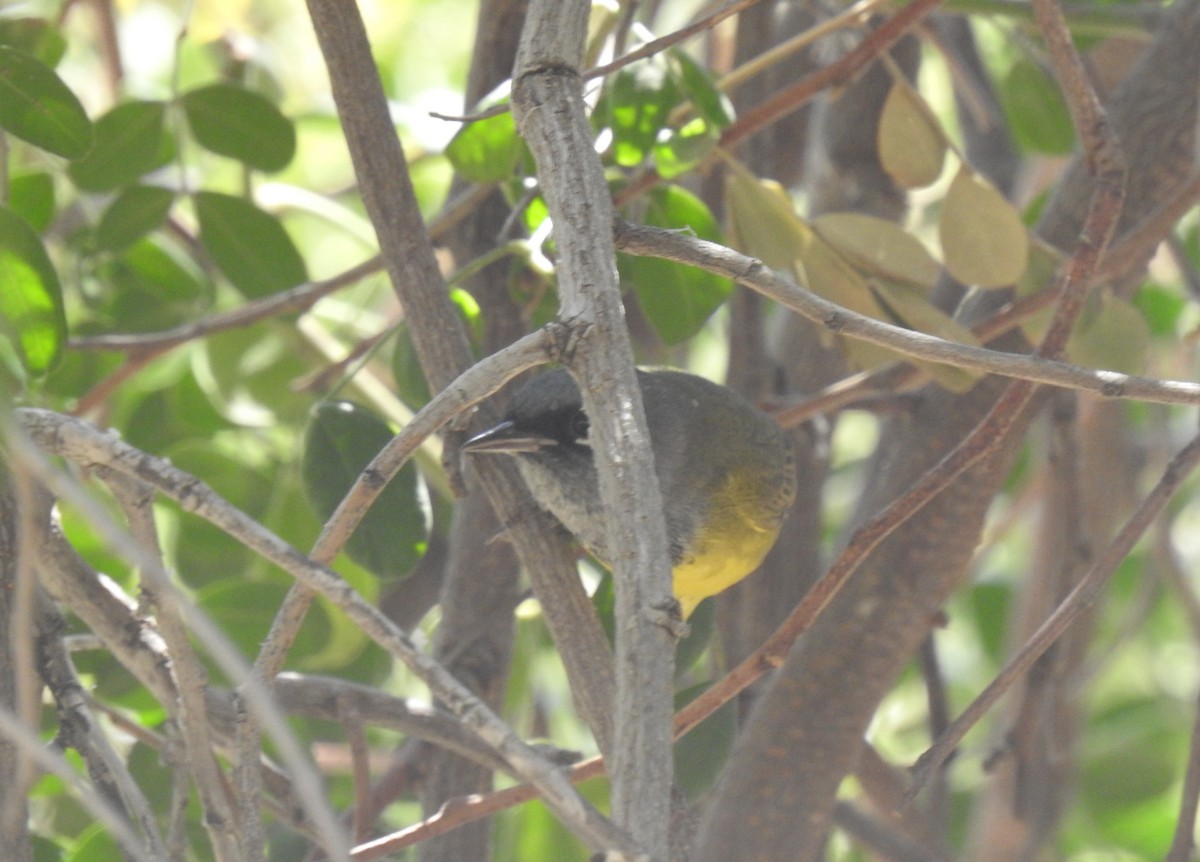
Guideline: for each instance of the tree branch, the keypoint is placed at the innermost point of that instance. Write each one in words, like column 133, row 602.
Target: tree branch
column 751, row 273
column 549, row 109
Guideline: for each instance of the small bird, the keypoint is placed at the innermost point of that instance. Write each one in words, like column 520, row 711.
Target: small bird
column 725, row 470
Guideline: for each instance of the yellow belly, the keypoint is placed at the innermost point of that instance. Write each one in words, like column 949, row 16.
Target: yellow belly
column 724, row 557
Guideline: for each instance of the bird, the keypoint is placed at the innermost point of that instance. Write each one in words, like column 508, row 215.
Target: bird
column 725, row 469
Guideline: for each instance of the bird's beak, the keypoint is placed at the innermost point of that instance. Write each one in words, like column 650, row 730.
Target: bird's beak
column 506, row 439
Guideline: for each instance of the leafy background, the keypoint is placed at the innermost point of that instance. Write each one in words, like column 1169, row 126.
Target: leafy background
column 210, row 175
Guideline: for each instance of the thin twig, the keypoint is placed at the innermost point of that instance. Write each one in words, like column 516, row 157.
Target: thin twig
column 1106, row 161
column 1182, row 842
column 1132, row 250
column 27, row 740
column 79, row 729
column 855, row 15
column 292, row 301
column 227, row 827
column 655, row 46
column 751, row 273
column 842, row 71
column 477, row 383
column 83, row 444
column 86, row 442
column 1068, row 610
column 459, row 812
column 649, row 49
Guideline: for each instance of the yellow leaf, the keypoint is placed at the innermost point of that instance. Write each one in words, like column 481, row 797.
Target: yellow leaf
column 984, row 241
column 826, row 273
column 879, row 247
column 764, row 221
column 912, row 147
column 912, row 307
column 1111, row 334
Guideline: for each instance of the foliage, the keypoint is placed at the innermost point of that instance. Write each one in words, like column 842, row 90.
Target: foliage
column 160, row 241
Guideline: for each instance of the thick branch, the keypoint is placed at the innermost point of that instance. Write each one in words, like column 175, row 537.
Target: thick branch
column 548, row 105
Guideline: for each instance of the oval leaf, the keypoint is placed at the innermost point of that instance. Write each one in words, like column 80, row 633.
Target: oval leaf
column 249, row 245
column 699, row 86
column 683, row 149
column 984, row 241
column 487, row 150
column 239, row 123
column 764, row 219
column 34, row 36
column 879, row 247
column 31, row 304
column 36, row 106
column 639, row 99
column 133, row 214
column 828, row 274
column 1036, row 112
column 31, row 196
column 341, row 440
column 130, row 142
column 1112, row 334
column 912, row 147
column 911, row 306
column 150, row 286
column 676, row 299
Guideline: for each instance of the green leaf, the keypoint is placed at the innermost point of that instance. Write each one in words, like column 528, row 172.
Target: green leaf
column 411, row 386
column 701, row 624
column 151, row 286
column 700, row 755
column 639, row 101
column 984, row 241
column 31, row 303
column 683, row 149
column 487, row 150
column 34, row 36
column 249, row 374
column 700, row 88
column 133, row 213
column 31, row 196
column 130, row 142
column 1161, row 307
column 1138, row 741
column 1111, row 334
column 250, row 246
column 989, row 604
column 237, row 606
column 912, row 147
column 204, row 553
column 1035, row 110
column 676, row 299
column 96, row 843
column 239, row 123
column 341, row 440
column 36, row 106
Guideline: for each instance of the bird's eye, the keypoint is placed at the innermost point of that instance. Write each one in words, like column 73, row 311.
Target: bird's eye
column 579, row 428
